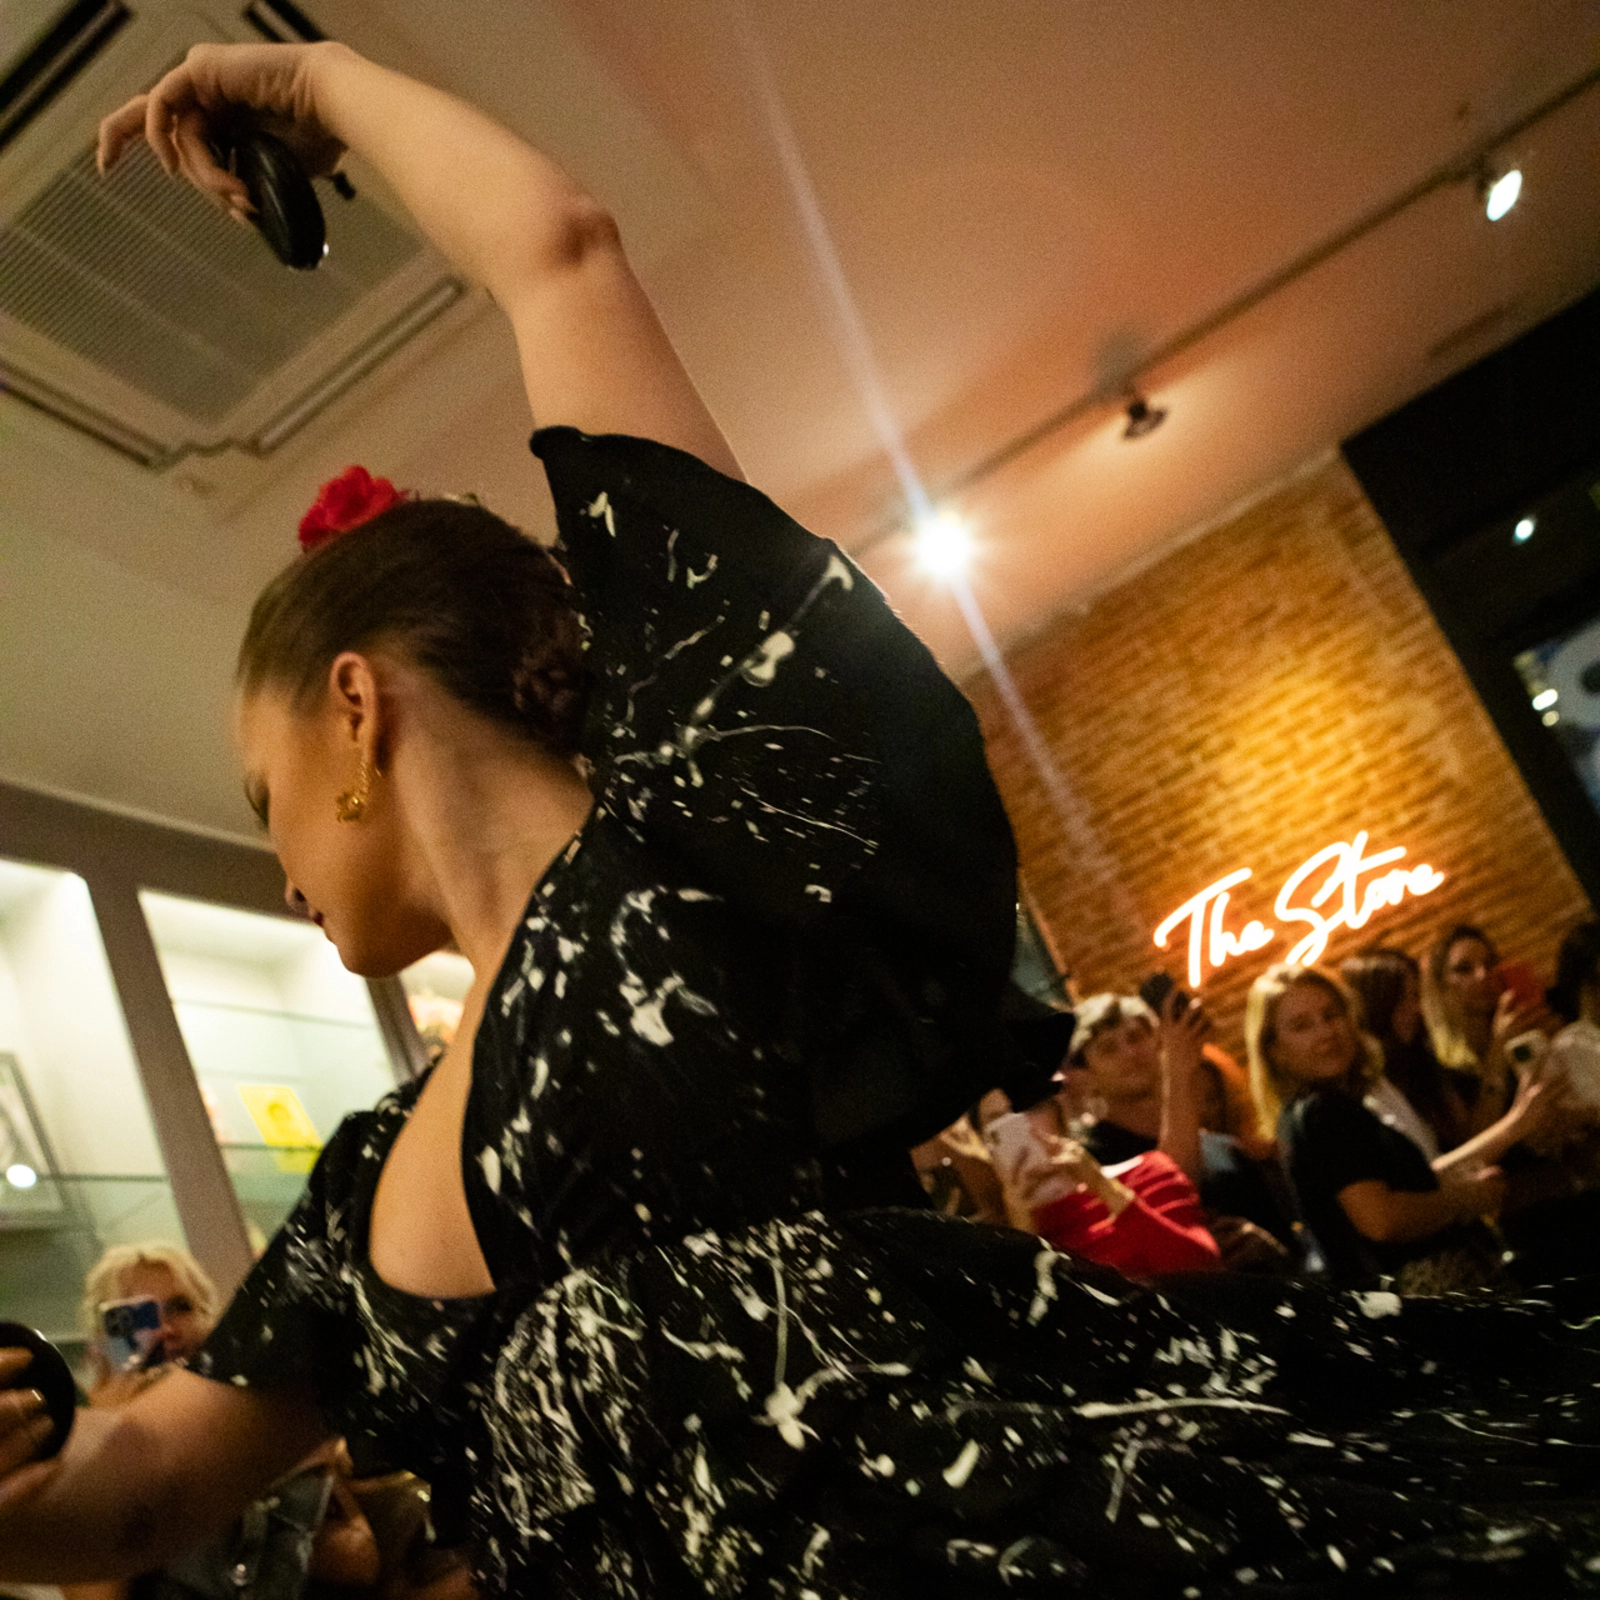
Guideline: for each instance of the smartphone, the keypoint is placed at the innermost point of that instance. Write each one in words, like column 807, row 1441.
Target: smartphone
column 130, row 1333
column 1527, row 1051
column 1156, row 990
column 1521, row 982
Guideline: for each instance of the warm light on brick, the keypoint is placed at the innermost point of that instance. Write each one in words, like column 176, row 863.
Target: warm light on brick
column 1273, row 684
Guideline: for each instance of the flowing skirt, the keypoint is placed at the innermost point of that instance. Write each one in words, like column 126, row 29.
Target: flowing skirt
column 894, row 1403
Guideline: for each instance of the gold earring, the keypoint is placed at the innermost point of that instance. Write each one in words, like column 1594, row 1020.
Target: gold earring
column 351, row 805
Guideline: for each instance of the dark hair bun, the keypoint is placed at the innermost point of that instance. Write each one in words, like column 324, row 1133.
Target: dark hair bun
column 485, row 611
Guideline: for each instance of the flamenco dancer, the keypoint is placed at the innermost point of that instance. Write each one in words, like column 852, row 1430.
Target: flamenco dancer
column 627, row 1278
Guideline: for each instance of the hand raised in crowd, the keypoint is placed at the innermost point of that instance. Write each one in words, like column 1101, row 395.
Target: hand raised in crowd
column 1070, row 1157
column 1182, row 1032
column 1511, row 1019
column 1540, row 1106
column 25, row 1428
column 1179, row 1038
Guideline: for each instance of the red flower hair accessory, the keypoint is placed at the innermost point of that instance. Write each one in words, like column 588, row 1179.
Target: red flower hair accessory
column 345, row 502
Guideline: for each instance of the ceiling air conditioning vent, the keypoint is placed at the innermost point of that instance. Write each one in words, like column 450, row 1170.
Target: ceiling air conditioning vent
column 134, row 312
column 69, row 44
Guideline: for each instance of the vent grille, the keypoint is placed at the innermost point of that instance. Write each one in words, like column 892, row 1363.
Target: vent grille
column 138, row 275
column 76, row 37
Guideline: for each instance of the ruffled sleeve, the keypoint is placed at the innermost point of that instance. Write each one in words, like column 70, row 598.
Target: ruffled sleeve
column 288, row 1324
column 760, row 713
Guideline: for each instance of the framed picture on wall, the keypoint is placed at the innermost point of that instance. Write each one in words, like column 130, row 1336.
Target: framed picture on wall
column 30, row 1196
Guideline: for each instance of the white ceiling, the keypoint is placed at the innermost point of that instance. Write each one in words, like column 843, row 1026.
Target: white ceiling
column 1028, row 201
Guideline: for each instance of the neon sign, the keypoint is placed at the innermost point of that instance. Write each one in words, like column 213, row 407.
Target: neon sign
column 1341, row 900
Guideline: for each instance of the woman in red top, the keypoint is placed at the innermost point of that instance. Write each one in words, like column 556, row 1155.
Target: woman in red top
column 1142, row 1217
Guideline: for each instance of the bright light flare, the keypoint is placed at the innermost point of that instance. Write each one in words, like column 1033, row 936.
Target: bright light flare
column 1502, row 194
column 1523, row 531
column 944, row 545
column 1545, row 699
column 21, row 1176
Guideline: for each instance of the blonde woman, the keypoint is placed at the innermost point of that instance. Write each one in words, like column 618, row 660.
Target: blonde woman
column 1472, row 1013
column 180, row 1286
column 1373, row 1202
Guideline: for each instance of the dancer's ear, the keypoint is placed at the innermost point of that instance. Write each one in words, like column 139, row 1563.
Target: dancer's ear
column 355, row 698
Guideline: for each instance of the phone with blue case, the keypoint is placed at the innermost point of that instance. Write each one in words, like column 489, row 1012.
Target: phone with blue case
column 130, row 1333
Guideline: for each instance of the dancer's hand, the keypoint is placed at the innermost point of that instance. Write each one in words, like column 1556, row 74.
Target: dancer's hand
column 273, row 85
column 25, row 1427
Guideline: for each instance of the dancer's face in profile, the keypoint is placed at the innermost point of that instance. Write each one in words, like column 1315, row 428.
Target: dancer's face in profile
column 1315, row 1040
column 1124, row 1060
column 350, row 878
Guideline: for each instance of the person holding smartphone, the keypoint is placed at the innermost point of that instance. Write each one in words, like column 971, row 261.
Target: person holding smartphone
column 1376, row 1206
column 182, row 1304
column 1142, row 1216
column 1474, row 1005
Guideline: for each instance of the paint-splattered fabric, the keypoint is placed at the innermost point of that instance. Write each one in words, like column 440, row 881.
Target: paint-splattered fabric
column 776, row 944
column 894, row 1404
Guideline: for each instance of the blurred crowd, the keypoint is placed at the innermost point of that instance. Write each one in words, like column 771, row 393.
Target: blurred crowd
column 1426, row 1125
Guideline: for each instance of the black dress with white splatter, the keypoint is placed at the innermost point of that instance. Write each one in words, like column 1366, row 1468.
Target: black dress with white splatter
column 773, row 951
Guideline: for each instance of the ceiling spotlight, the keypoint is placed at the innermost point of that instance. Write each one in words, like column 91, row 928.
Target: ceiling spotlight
column 1545, row 699
column 1143, row 418
column 1523, row 531
column 1500, row 194
column 21, row 1176
column 944, row 544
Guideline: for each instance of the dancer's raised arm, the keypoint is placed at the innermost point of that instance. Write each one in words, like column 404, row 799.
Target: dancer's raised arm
column 593, row 353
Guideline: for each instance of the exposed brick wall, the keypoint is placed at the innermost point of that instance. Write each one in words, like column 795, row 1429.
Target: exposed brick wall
column 1262, row 691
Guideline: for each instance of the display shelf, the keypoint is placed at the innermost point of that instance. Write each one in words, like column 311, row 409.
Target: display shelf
column 80, row 1166
column 42, row 1269
column 283, row 1041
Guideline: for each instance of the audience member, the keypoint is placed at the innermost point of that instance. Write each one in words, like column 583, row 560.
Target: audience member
column 1415, row 1094
column 1142, row 1217
column 181, row 1288
column 1369, row 1196
column 1575, row 999
column 1472, row 1013
column 1145, row 1078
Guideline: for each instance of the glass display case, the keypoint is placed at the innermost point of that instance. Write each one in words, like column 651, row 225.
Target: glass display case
column 80, row 1166
column 283, row 1040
